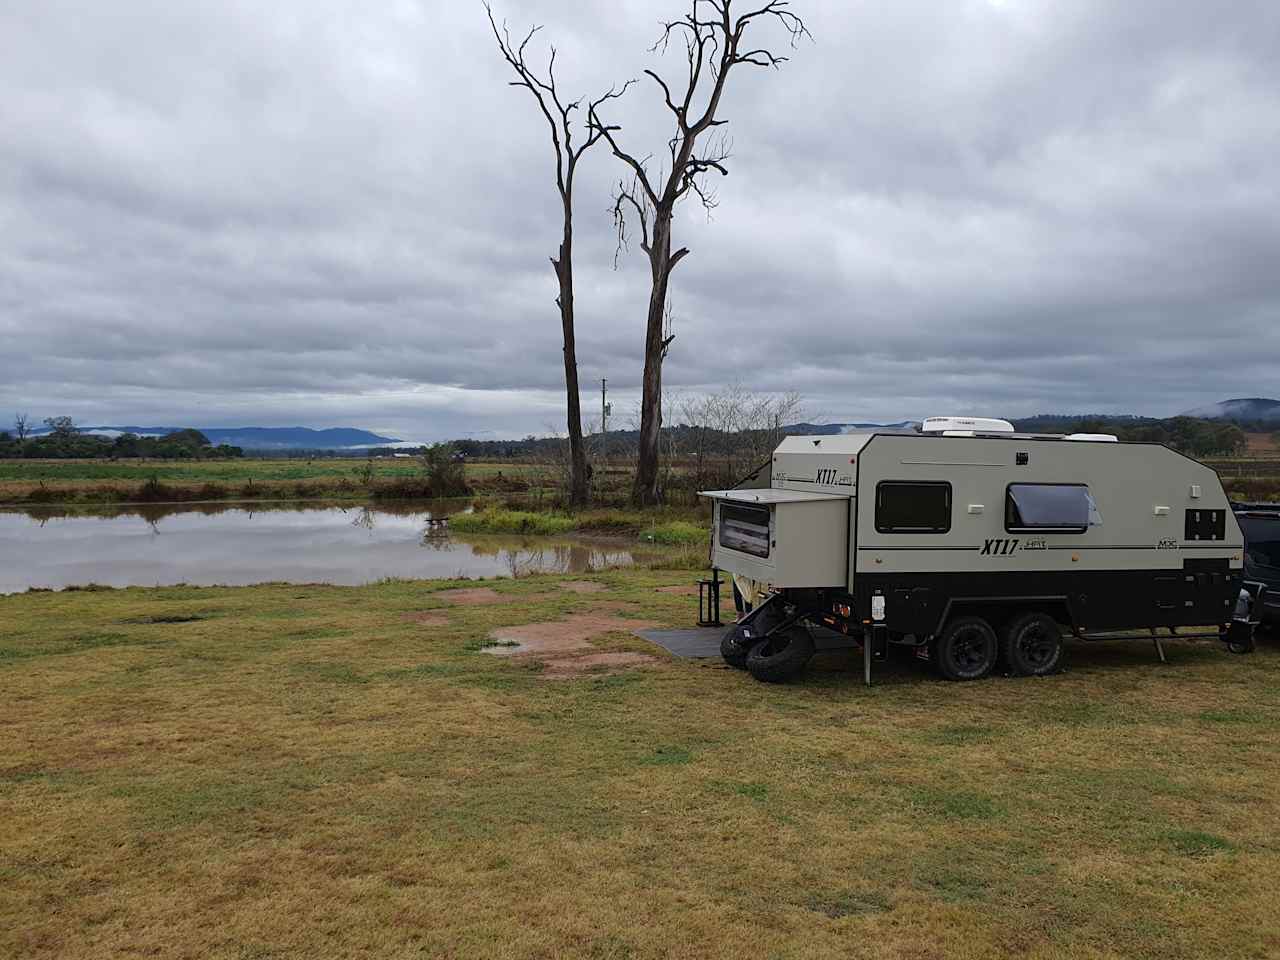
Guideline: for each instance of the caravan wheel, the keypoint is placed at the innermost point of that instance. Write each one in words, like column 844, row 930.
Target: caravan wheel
column 1032, row 645
column 966, row 650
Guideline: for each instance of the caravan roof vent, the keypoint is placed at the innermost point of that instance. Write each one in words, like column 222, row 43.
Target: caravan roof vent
column 965, row 426
column 1093, row 437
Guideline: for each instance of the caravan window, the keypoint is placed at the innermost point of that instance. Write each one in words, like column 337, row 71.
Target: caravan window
column 745, row 528
column 1262, row 538
column 921, row 507
column 1045, row 507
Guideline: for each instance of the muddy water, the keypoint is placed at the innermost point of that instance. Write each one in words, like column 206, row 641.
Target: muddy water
column 207, row 544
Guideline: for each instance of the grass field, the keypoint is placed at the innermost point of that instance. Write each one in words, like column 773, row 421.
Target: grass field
column 321, row 772
column 525, row 486
column 126, row 481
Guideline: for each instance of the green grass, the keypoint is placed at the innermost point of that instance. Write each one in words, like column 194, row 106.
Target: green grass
column 498, row 520
column 306, row 771
column 657, row 527
column 676, row 532
column 95, row 481
column 1197, row 843
column 200, row 471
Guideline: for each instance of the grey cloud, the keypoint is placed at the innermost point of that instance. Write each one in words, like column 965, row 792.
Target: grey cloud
column 332, row 212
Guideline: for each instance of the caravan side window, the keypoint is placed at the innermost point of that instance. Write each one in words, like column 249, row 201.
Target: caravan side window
column 913, row 507
column 1049, row 508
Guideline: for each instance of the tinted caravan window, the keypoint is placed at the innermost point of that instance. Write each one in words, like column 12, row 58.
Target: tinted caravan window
column 1262, row 539
column 907, row 507
column 1060, row 507
column 745, row 529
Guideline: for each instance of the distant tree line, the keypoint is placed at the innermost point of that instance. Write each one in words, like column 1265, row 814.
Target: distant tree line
column 65, row 441
column 1189, row 435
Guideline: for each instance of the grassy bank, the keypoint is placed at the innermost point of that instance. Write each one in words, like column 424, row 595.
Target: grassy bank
column 316, row 772
column 668, row 527
column 95, row 481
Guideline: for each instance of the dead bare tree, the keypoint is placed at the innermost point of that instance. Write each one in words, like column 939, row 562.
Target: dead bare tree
column 22, row 425
column 559, row 116
column 713, row 36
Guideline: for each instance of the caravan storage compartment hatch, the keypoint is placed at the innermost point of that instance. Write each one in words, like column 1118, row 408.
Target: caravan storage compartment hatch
column 787, row 538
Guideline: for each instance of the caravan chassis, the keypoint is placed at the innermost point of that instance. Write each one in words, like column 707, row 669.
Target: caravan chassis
column 823, row 608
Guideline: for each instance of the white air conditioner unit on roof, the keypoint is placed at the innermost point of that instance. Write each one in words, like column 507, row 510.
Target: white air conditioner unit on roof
column 965, row 426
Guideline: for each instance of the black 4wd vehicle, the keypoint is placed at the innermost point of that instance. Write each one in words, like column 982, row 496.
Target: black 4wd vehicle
column 1260, row 523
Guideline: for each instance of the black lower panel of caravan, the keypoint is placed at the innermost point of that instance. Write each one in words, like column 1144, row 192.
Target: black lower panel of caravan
column 1202, row 593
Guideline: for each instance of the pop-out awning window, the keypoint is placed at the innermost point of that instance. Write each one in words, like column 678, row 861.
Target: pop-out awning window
column 1044, row 507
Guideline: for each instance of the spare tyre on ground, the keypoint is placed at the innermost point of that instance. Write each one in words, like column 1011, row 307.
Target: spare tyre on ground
column 742, row 636
column 782, row 656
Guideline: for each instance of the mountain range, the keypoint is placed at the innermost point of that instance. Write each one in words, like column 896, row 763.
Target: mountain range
column 1247, row 409
column 1250, row 410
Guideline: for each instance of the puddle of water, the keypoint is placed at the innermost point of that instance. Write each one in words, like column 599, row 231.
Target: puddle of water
column 239, row 544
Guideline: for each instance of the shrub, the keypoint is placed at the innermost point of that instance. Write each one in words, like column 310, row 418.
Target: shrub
column 42, row 494
column 154, row 491
column 511, row 521
column 445, row 472
column 676, row 532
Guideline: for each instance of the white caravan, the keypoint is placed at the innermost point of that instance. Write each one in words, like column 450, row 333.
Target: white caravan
column 972, row 543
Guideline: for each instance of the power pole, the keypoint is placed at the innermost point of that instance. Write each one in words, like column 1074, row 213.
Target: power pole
column 604, row 418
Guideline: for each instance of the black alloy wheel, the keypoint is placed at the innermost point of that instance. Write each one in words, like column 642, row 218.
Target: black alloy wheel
column 1032, row 645
column 967, row 649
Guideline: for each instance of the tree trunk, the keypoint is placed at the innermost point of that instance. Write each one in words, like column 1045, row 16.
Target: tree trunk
column 646, row 491
column 579, row 469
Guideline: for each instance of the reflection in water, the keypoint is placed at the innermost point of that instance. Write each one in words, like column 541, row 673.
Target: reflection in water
column 221, row 543
column 153, row 512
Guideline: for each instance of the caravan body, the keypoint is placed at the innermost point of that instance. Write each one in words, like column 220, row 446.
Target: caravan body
column 902, row 533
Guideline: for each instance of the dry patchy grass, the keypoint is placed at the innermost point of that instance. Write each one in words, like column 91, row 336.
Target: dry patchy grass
column 310, row 772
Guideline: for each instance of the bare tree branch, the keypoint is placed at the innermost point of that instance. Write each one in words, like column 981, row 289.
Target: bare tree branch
column 713, row 45
column 559, row 116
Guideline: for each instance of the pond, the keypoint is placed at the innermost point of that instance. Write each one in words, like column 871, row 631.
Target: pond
column 237, row 544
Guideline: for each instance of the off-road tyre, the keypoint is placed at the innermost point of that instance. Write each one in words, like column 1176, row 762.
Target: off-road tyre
column 783, row 656
column 741, row 637
column 967, row 649
column 1031, row 645
column 734, row 647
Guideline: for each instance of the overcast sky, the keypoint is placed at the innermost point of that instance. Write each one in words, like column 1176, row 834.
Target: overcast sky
column 336, row 212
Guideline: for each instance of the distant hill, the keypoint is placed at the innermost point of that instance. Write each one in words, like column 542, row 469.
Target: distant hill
column 262, row 438
column 834, row 429
column 1249, row 409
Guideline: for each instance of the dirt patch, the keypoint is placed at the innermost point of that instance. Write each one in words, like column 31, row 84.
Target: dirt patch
column 687, row 591
column 428, row 618
column 583, row 586
column 474, row 597
column 595, row 664
column 564, row 646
